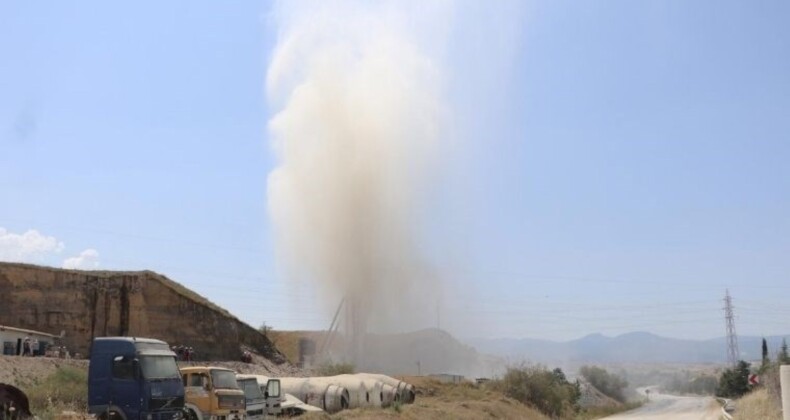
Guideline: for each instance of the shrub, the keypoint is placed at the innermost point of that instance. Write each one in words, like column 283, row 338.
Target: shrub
column 332, row 369
column 734, row 382
column 608, row 383
column 67, row 388
column 548, row 391
column 397, row 406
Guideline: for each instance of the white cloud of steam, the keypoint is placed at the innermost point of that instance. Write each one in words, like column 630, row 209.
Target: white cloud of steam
column 359, row 88
column 30, row 246
column 87, row 260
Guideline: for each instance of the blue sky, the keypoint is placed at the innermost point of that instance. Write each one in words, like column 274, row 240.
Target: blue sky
column 615, row 166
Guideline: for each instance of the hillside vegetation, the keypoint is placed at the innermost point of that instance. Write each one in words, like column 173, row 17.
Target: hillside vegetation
column 757, row 405
column 527, row 392
column 436, row 400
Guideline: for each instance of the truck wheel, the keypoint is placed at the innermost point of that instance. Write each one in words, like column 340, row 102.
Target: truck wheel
column 191, row 415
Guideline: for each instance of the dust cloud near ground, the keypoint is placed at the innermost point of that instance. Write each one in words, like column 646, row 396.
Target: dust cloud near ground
column 673, row 407
column 359, row 118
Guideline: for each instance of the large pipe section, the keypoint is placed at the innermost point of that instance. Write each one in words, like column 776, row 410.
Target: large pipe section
column 370, row 392
column 404, row 390
column 318, row 392
column 335, row 393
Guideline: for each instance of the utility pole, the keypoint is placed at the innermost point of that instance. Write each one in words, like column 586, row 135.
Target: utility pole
column 732, row 339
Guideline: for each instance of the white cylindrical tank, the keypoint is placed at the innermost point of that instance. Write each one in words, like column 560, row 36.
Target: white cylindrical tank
column 404, row 390
column 370, row 391
column 335, row 399
column 359, row 395
column 335, row 393
column 318, row 392
column 389, row 395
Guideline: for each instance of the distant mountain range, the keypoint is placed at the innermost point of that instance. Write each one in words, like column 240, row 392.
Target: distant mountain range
column 635, row 347
column 436, row 351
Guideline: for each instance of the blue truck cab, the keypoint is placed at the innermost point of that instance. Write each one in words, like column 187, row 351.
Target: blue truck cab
column 131, row 378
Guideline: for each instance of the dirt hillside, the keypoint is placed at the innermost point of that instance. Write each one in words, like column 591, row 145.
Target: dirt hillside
column 87, row 304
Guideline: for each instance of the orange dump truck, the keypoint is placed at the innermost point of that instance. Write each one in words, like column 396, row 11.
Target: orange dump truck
column 212, row 393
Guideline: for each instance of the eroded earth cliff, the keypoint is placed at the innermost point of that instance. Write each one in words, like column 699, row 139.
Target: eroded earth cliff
column 87, row 304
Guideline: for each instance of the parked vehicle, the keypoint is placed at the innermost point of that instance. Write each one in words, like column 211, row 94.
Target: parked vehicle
column 212, row 393
column 261, row 393
column 132, row 378
column 278, row 401
column 254, row 398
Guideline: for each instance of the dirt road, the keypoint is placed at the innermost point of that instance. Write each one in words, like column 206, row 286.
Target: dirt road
column 673, row 407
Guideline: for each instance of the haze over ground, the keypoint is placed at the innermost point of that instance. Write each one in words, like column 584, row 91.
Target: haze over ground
column 608, row 167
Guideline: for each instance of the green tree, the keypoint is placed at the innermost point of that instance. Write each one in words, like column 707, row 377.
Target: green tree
column 765, row 352
column 766, row 360
column 734, row 382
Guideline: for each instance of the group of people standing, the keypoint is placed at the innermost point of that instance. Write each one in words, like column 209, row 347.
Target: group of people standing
column 34, row 348
column 31, row 347
column 184, row 353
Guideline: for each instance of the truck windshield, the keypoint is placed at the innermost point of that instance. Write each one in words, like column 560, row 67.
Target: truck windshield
column 224, row 379
column 251, row 389
column 156, row 367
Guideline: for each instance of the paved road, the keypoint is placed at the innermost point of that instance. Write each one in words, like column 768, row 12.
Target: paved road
column 673, row 407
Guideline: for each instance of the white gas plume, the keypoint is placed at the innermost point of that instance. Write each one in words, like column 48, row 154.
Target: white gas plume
column 360, row 120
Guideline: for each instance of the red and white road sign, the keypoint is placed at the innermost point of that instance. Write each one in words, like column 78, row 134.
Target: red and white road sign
column 754, row 379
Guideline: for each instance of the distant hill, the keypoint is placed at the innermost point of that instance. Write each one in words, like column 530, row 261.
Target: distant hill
column 635, row 347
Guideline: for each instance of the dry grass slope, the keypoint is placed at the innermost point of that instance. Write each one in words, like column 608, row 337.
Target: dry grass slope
column 24, row 372
column 757, row 405
column 52, row 385
column 436, row 400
